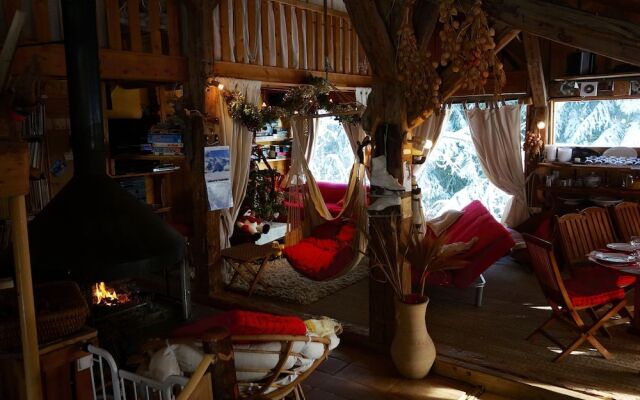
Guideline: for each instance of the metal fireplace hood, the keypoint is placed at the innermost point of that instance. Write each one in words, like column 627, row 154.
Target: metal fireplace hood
column 94, row 230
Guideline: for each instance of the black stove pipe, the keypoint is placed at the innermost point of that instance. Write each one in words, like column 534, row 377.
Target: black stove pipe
column 83, row 72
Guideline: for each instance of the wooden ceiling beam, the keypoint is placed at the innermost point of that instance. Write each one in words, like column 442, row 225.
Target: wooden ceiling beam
column 373, row 35
column 534, row 67
column 613, row 38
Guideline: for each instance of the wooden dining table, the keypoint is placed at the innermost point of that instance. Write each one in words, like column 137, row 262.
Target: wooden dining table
column 633, row 269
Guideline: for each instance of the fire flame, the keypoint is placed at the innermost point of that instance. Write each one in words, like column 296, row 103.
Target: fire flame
column 108, row 296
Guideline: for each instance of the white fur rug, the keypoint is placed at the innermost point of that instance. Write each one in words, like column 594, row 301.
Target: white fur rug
column 287, row 284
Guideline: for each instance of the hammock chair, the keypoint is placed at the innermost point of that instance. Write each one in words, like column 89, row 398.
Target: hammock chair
column 317, row 244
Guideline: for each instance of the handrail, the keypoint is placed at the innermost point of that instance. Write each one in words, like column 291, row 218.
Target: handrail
column 287, row 34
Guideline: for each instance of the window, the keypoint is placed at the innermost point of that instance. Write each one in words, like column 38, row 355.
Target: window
column 602, row 123
column 453, row 176
column 332, row 157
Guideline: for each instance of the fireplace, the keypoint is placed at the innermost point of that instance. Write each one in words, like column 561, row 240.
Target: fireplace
column 93, row 230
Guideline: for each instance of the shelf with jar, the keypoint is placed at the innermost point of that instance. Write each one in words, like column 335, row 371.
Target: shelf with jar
column 567, row 186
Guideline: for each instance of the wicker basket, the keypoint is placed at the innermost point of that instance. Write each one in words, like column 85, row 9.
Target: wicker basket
column 61, row 310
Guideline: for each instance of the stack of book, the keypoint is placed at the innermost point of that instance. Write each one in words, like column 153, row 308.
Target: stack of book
column 38, row 195
column 35, row 154
column 33, row 125
column 166, row 144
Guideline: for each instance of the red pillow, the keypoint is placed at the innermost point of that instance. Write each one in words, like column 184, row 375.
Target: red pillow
column 347, row 233
column 239, row 322
column 328, row 230
column 317, row 263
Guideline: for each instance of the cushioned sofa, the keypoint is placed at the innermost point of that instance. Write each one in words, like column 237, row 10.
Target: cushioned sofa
column 494, row 241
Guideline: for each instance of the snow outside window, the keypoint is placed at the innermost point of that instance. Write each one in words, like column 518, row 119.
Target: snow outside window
column 453, row 176
column 600, row 123
column 332, row 156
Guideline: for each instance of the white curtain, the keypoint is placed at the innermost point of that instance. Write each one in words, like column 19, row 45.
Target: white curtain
column 428, row 130
column 239, row 140
column 495, row 132
column 355, row 133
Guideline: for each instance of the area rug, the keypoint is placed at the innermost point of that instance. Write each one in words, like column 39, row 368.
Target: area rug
column 288, row 285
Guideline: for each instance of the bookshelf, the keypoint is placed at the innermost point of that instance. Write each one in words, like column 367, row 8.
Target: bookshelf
column 135, row 145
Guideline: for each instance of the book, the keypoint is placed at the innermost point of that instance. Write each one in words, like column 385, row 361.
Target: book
column 156, row 138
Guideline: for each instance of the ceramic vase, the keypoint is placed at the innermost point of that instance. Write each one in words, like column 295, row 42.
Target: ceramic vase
column 412, row 349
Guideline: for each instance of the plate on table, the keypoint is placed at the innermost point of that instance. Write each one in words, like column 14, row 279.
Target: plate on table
column 621, row 247
column 612, row 257
column 603, row 201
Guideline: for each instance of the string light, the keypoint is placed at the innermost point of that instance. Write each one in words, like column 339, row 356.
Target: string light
column 541, row 124
column 428, row 144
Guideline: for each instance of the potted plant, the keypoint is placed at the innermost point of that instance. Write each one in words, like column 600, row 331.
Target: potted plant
column 412, row 349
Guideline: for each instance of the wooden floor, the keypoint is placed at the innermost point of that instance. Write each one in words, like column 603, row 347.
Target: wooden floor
column 493, row 336
column 351, row 373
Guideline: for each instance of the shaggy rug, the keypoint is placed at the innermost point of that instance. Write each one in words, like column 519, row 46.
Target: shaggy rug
column 287, row 284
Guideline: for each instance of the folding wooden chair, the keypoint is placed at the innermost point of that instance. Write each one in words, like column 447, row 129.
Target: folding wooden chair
column 583, row 232
column 567, row 297
column 626, row 216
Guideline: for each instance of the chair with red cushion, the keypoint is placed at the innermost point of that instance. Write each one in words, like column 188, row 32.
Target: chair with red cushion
column 567, row 297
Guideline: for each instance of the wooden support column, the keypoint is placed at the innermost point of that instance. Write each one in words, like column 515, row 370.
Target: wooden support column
column 14, row 184
column 536, row 72
column 200, row 39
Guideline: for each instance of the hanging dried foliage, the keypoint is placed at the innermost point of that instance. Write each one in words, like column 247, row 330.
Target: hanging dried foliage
column 306, row 99
column 468, row 45
column 416, row 72
column 533, row 144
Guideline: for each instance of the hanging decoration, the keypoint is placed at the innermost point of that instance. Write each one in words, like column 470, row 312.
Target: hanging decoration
column 468, row 45
column 415, row 69
column 308, row 99
column 533, row 144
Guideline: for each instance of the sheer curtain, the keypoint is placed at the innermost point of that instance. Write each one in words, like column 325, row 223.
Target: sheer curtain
column 495, row 132
column 428, row 130
column 239, row 140
column 355, row 133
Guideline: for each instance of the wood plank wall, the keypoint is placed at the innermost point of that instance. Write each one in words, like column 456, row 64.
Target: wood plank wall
column 304, row 26
column 150, row 26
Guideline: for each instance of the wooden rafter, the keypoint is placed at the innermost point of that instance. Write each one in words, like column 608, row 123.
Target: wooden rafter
column 536, row 72
column 613, row 38
column 374, row 37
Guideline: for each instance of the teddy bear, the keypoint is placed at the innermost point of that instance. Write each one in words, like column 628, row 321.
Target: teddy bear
column 249, row 228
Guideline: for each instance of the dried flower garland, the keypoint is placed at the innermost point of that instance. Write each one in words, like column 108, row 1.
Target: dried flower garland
column 533, row 144
column 468, row 45
column 307, row 99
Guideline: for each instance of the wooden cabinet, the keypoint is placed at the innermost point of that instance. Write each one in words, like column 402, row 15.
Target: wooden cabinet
column 63, row 377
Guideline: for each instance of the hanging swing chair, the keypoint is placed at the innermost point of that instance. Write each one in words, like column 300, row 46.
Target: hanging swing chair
column 318, row 245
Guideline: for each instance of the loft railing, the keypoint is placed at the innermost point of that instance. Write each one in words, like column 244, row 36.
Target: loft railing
column 146, row 26
column 287, row 34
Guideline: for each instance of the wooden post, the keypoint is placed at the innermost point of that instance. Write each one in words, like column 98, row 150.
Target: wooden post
column 223, row 373
column 14, row 173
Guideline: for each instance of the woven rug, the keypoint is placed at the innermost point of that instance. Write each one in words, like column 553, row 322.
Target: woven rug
column 287, row 284
column 494, row 336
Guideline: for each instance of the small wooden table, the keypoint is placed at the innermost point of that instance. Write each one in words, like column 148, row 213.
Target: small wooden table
column 241, row 258
column 627, row 269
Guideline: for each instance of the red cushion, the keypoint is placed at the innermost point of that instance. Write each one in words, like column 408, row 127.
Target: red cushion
column 585, row 291
column 438, row 278
column 332, row 192
column 318, row 263
column 328, row 230
column 476, row 221
column 606, row 275
column 239, row 322
column 347, row 233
